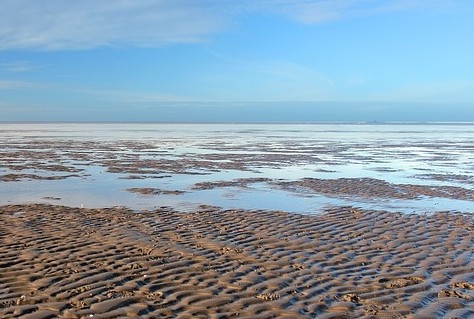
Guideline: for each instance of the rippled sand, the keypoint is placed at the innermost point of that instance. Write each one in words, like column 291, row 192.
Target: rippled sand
column 64, row 262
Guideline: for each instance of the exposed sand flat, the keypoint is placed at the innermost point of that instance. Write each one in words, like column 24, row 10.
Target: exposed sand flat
column 66, row 262
column 370, row 188
column 293, row 167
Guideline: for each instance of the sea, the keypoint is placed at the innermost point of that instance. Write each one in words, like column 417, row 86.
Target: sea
column 97, row 164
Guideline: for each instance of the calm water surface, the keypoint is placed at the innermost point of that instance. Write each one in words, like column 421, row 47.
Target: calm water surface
column 401, row 154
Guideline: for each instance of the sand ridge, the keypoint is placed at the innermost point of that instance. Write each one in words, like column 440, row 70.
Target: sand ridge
column 65, row 262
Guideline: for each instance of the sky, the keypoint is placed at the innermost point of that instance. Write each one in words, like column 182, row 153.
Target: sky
column 234, row 61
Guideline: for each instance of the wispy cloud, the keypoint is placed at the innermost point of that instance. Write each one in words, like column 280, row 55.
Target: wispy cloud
column 16, row 85
column 132, row 97
column 314, row 12
column 64, row 24
column 71, row 25
column 18, row 66
column 119, row 96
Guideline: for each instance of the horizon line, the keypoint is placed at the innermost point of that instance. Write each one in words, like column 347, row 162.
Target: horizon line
column 373, row 122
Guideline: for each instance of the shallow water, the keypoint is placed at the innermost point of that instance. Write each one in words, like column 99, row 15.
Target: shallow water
column 177, row 156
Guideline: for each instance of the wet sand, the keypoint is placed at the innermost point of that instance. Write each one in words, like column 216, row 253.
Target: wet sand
column 297, row 168
column 63, row 262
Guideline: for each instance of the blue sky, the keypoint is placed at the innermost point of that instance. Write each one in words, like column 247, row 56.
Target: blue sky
column 227, row 60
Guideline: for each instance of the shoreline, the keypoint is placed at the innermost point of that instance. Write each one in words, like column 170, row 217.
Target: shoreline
column 67, row 262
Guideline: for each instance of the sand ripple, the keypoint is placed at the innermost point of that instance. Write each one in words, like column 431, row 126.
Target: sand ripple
column 112, row 263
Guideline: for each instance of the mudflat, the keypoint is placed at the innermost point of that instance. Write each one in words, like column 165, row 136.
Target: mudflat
column 64, row 262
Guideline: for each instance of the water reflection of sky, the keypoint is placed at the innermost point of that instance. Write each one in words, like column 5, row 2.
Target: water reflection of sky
column 401, row 154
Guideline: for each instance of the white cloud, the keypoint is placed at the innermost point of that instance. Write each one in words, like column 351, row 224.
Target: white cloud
column 84, row 24
column 65, row 24
column 313, row 12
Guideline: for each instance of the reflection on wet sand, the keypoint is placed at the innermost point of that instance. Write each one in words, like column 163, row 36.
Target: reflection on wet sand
column 239, row 165
column 329, row 221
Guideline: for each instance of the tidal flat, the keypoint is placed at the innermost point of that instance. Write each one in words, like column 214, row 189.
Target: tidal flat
column 236, row 221
column 297, row 168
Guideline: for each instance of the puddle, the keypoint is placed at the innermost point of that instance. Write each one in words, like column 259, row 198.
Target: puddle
column 177, row 156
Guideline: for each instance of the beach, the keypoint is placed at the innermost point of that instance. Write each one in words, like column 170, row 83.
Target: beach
column 163, row 221
column 63, row 262
column 192, row 159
